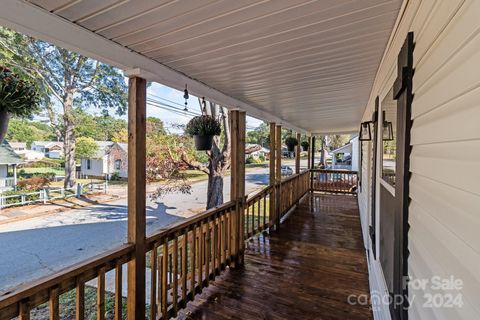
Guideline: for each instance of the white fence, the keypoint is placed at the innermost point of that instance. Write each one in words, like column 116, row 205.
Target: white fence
column 49, row 194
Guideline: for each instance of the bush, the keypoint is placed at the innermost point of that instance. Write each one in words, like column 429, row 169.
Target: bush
column 203, row 126
column 33, row 184
column 305, row 145
column 262, row 158
column 115, row 176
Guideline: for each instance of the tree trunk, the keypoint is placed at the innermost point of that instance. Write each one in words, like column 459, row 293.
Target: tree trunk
column 4, row 119
column 215, row 190
column 69, row 141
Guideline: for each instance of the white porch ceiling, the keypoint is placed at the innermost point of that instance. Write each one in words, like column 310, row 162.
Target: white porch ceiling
column 310, row 64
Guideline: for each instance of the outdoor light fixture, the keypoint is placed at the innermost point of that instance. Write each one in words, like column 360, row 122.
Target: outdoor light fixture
column 204, row 105
column 365, row 132
column 387, row 128
column 185, row 95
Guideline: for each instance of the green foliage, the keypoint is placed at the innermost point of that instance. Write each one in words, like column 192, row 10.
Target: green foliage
column 291, row 142
column 252, row 160
column 260, row 135
column 155, row 126
column 337, row 140
column 262, row 158
column 203, row 126
column 86, row 148
column 18, row 97
column 97, row 127
column 115, row 176
column 305, row 144
column 20, row 130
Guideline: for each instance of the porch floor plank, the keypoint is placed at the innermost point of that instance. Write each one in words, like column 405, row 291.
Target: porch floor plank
column 306, row 270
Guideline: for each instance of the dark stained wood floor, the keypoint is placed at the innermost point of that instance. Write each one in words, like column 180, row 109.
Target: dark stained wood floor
column 306, row 270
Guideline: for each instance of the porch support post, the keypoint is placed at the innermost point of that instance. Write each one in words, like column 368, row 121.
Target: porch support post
column 237, row 191
column 312, row 162
column 137, row 104
column 278, row 172
column 297, row 154
column 272, row 167
column 309, row 155
column 15, row 176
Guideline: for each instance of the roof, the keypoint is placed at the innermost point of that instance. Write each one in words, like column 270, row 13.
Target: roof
column 344, row 149
column 47, row 144
column 16, row 145
column 309, row 65
column 8, row 156
column 104, row 148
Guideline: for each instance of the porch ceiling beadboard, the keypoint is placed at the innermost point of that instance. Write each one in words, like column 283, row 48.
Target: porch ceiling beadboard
column 309, row 64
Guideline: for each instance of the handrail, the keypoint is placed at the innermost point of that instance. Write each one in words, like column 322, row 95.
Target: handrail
column 184, row 256
column 334, row 181
column 38, row 292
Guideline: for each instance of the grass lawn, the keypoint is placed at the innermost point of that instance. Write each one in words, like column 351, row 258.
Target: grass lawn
column 195, row 175
column 56, row 170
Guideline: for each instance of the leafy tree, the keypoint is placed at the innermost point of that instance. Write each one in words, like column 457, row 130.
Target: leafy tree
column 20, row 130
column 71, row 79
column 260, row 135
column 155, row 126
column 120, row 136
column 86, row 148
column 335, row 141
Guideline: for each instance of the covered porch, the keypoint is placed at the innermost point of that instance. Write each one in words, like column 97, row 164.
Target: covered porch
column 285, row 252
column 313, row 267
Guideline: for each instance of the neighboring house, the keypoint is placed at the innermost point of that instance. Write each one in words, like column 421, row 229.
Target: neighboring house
column 18, row 147
column 8, row 158
column 51, row 149
column 346, row 157
column 255, row 151
column 111, row 158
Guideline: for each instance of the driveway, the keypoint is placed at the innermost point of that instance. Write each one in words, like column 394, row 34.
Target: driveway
column 36, row 247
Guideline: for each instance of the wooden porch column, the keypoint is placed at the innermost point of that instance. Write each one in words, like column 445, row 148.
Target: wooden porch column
column 237, row 190
column 309, row 155
column 312, row 162
column 272, row 167
column 137, row 104
column 297, row 154
column 278, row 171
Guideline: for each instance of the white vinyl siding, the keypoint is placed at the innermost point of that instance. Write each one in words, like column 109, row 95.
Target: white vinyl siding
column 444, row 236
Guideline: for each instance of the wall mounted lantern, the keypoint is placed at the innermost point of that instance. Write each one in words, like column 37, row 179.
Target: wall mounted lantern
column 365, row 132
column 387, row 128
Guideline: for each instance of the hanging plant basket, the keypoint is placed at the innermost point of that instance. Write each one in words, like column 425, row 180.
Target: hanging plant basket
column 203, row 143
column 17, row 98
column 203, row 129
column 305, row 145
column 291, row 142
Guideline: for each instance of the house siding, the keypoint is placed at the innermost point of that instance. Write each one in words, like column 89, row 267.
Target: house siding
column 444, row 212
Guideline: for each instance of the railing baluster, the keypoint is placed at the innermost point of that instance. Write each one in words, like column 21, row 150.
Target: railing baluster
column 184, row 266
column 24, row 310
column 201, row 259
column 208, row 250
column 80, row 300
column 165, row 279
column 175, row 274
column 153, row 283
column 101, row 294
column 118, row 291
column 53, row 304
column 193, row 258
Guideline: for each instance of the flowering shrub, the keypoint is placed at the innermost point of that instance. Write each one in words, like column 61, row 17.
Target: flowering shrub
column 33, row 184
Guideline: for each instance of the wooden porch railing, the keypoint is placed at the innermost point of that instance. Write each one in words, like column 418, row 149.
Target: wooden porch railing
column 334, row 181
column 181, row 260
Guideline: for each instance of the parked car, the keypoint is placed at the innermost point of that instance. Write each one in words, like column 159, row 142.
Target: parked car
column 286, row 171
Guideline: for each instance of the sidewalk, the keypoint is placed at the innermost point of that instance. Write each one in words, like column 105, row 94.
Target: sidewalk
column 14, row 214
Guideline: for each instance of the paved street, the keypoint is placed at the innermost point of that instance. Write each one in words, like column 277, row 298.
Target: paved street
column 39, row 246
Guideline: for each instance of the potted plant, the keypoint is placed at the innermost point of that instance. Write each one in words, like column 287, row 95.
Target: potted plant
column 203, row 129
column 17, row 98
column 291, row 142
column 305, row 145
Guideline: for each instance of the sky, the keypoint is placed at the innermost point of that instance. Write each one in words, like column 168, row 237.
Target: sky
column 167, row 104
column 171, row 98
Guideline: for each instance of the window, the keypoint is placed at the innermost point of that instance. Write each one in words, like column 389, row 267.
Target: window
column 89, row 164
column 388, row 127
column 118, row 164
